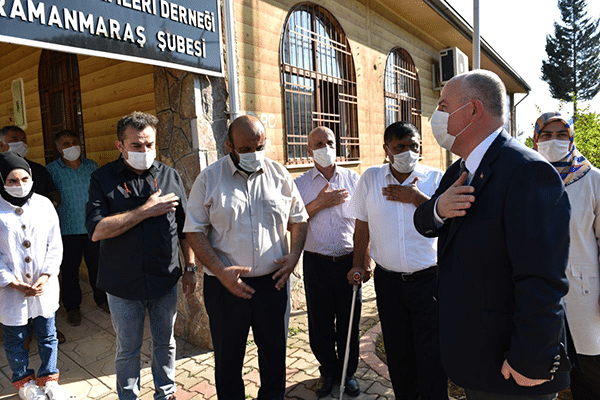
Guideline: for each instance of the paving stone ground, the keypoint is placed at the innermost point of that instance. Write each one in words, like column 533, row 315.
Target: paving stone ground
column 87, row 371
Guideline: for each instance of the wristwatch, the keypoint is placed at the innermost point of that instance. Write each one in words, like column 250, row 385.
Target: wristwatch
column 191, row 268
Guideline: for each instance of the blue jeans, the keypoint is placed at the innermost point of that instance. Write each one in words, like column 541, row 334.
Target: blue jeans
column 128, row 321
column 18, row 357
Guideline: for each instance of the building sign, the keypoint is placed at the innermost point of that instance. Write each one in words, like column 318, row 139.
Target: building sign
column 182, row 34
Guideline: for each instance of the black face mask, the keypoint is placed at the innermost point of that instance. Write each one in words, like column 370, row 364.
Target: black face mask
column 10, row 161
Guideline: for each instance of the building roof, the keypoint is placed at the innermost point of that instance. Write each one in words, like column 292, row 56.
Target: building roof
column 437, row 20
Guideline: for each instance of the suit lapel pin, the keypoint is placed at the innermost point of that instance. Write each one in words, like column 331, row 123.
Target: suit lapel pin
column 481, row 176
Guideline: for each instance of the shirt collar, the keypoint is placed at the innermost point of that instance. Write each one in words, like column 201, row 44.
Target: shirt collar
column 474, row 159
column 314, row 172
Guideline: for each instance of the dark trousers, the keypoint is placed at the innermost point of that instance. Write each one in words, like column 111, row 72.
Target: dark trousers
column 329, row 299
column 74, row 248
column 477, row 395
column 585, row 382
column 408, row 315
column 231, row 317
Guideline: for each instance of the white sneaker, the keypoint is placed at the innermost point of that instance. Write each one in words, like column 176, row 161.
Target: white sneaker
column 55, row 392
column 31, row 391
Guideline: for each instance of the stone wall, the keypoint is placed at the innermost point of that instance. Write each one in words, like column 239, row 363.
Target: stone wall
column 191, row 110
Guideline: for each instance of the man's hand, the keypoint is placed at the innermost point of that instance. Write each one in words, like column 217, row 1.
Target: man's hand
column 508, row 371
column 284, row 272
column 189, row 283
column 405, row 194
column 357, row 275
column 158, row 205
column 456, row 199
column 230, row 278
column 38, row 287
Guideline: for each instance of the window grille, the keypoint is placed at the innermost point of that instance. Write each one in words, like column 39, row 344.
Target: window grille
column 60, row 99
column 401, row 89
column 319, row 82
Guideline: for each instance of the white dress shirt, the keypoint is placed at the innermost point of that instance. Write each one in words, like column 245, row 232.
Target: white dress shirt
column 395, row 243
column 30, row 246
column 331, row 230
column 245, row 218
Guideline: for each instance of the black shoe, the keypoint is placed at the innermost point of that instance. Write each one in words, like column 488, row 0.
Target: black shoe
column 352, row 388
column 324, row 386
column 74, row 317
column 61, row 337
column 104, row 307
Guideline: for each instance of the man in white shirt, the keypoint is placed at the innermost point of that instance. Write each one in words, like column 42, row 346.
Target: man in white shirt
column 326, row 190
column 406, row 272
column 239, row 211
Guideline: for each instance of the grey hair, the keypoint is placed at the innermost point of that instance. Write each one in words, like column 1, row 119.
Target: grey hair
column 488, row 88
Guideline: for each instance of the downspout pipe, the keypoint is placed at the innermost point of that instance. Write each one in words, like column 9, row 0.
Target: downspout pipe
column 476, row 36
column 234, row 97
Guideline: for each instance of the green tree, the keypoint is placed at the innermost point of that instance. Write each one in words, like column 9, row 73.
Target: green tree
column 587, row 135
column 572, row 69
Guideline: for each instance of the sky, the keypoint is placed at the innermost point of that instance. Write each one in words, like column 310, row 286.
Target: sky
column 517, row 30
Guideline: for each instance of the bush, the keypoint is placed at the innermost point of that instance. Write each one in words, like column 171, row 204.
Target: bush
column 587, row 135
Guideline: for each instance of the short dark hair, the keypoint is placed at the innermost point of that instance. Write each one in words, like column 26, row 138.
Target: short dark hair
column 399, row 130
column 8, row 128
column 138, row 120
column 63, row 133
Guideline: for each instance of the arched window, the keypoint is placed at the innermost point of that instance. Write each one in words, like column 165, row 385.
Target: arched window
column 60, row 99
column 319, row 82
column 401, row 89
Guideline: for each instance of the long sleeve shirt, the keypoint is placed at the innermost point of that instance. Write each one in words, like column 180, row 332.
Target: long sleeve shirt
column 30, row 246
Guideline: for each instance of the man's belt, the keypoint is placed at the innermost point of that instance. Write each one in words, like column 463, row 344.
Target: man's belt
column 331, row 258
column 411, row 276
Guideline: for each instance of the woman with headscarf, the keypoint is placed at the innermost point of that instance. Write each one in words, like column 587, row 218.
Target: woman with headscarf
column 30, row 256
column 553, row 138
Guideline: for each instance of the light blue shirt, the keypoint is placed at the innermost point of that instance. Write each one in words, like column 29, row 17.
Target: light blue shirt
column 73, row 186
column 330, row 231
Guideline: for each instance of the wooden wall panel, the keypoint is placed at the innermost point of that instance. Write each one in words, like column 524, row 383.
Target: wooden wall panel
column 111, row 89
column 22, row 62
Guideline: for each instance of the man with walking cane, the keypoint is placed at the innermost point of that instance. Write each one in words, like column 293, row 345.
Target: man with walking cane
column 406, row 273
column 326, row 190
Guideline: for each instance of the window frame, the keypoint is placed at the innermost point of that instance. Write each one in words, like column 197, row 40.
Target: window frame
column 58, row 79
column 318, row 85
column 405, row 79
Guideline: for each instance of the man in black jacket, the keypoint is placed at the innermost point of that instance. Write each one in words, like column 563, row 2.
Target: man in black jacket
column 503, row 229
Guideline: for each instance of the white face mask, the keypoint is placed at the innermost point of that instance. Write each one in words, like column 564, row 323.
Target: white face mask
column 554, row 150
column 72, row 153
column 405, row 162
column 19, row 191
column 141, row 161
column 439, row 126
column 325, row 156
column 18, row 147
column 251, row 162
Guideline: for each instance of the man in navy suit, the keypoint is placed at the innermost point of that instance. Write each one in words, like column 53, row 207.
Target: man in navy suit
column 503, row 229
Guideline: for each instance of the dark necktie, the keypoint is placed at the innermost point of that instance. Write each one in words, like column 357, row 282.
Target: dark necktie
column 463, row 168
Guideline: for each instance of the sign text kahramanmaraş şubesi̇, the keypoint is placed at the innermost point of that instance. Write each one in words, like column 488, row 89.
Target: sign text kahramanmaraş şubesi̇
column 177, row 29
